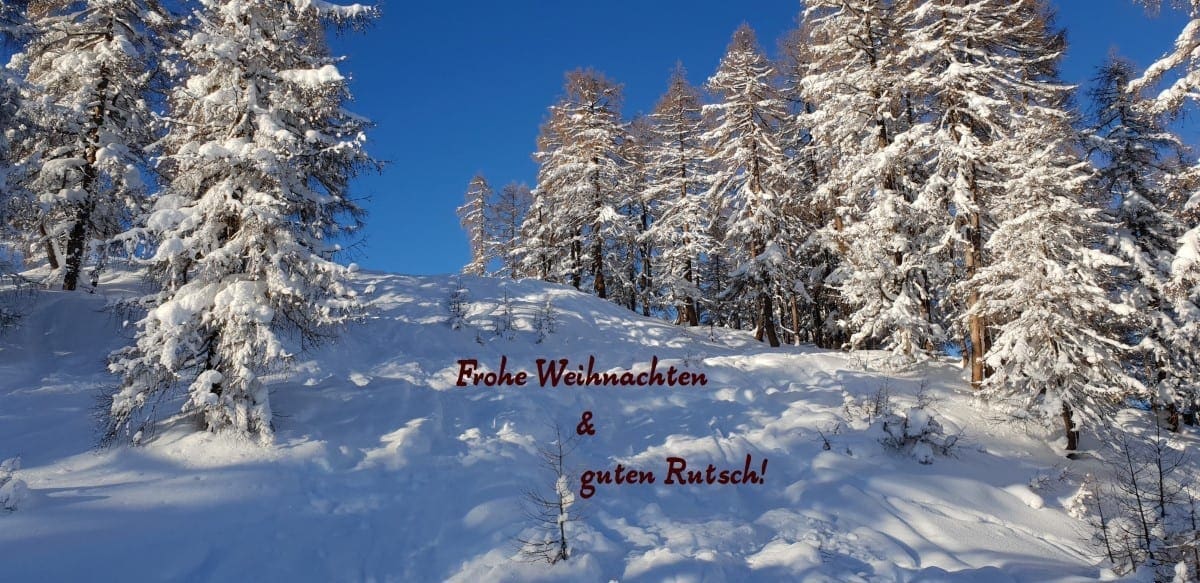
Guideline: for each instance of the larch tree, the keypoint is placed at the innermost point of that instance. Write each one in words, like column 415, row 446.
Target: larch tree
column 680, row 232
column 750, row 176
column 816, row 305
column 1141, row 178
column 1176, row 77
column 890, row 241
column 473, row 215
column 1043, row 288
column 634, row 255
column 575, row 218
column 13, row 32
column 507, row 213
column 89, row 68
column 257, row 165
column 974, row 64
column 1180, row 60
column 548, row 249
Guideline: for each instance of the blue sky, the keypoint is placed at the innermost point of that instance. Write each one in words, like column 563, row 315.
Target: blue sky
column 461, row 87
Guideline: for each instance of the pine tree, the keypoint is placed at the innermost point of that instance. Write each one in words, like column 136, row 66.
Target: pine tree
column 750, row 174
column 634, row 255
column 508, row 212
column 1043, row 288
column 865, row 123
column 678, row 185
column 257, row 165
column 473, row 215
column 974, row 64
column 575, row 217
column 550, row 249
column 1180, row 70
column 1139, row 178
column 13, row 32
column 816, row 304
column 89, row 70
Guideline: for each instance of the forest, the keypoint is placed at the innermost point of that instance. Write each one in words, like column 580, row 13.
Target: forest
column 911, row 176
column 212, row 149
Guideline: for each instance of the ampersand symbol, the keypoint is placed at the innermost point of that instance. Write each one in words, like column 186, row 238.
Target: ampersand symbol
column 585, row 426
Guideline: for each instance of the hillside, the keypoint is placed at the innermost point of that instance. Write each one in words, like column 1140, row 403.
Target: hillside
column 384, row 470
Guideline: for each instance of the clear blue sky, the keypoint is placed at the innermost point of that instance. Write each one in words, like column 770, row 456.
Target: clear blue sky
column 461, row 87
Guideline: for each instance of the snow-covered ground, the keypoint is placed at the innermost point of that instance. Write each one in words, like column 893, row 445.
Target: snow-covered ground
column 384, row 470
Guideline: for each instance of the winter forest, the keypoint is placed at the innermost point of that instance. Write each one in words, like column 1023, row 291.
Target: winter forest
column 913, row 261
column 212, row 147
column 904, row 175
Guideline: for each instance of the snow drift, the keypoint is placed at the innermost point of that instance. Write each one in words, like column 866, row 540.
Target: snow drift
column 384, row 470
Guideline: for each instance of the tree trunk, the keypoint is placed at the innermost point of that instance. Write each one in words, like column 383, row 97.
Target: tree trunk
column 1068, row 417
column 598, row 285
column 1173, row 417
column 51, row 248
column 576, row 258
column 976, row 325
column 690, row 314
column 76, row 240
column 795, row 310
column 647, row 261
column 767, row 316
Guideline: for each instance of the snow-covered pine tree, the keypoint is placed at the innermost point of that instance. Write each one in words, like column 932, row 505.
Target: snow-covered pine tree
column 1140, row 164
column 1181, row 68
column 815, row 304
column 550, row 514
column 750, row 176
column 89, row 69
column 973, row 63
column 634, row 256
column 473, row 216
column 507, row 213
column 681, row 232
column 889, row 241
column 1043, row 287
column 715, row 306
column 546, row 250
column 13, row 30
column 257, row 166
column 575, row 217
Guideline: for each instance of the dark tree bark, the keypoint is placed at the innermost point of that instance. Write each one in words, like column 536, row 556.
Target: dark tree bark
column 1068, row 417
column 767, row 319
column 51, row 251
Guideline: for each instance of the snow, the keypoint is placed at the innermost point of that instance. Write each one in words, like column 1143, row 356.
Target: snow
column 13, row 491
column 341, row 11
column 411, row 478
column 245, row 298
column 312, row 77
column 1188, row 256
column 1023, row 493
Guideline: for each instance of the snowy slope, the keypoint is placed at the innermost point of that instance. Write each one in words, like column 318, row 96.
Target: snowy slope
column 385, row 471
